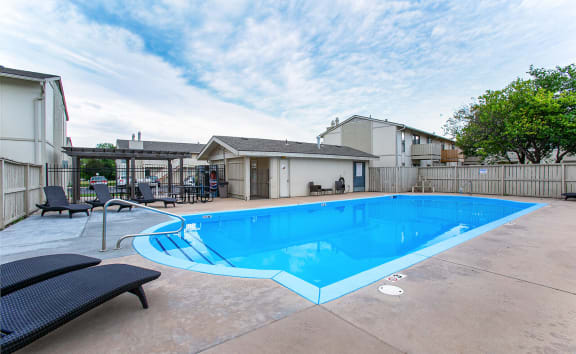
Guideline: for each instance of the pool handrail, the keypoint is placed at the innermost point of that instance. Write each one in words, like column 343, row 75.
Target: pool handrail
column 137, row 205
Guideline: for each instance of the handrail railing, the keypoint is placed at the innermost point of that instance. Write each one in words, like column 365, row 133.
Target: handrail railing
column 182, row 222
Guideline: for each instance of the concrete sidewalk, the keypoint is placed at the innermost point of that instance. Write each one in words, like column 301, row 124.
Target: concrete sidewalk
column 512, row 289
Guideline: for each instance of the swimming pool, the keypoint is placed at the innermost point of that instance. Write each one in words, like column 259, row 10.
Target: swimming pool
column 325, row 250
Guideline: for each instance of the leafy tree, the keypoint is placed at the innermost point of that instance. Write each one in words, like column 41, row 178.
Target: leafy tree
column 102, row 167
column 530, row 118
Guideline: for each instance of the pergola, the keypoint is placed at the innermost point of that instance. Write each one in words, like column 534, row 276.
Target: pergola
column 130, row 155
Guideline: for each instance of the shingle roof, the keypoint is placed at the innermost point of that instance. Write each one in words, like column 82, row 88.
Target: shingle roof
column 293, row 147
column 164, row 146
column 23, row 73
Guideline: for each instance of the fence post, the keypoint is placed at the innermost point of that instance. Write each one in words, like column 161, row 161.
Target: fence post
column 502, row 181
column 563, row 188
column 27, row 189
column 396, row 177
column 2, row 223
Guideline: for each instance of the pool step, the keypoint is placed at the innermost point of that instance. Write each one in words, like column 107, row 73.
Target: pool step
column 190, row 248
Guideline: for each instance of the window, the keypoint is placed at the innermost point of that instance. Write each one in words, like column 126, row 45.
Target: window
column 443, row 146
column 403, row 142
column 415, row 139
column 429, row 140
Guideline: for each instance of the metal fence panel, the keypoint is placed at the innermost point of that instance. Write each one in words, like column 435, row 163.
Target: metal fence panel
column 119, row 185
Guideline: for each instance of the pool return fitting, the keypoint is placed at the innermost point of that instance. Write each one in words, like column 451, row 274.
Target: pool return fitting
column 122, row 201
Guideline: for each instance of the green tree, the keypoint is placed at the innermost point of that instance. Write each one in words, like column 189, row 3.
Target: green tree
column 101, row 167
column 530, row 118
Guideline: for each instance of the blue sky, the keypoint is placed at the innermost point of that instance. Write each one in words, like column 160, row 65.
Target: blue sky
column 186, row 70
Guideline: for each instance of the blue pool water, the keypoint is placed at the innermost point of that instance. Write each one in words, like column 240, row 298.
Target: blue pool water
column 325, row 245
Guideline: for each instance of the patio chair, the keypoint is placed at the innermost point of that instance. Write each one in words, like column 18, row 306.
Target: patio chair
column 568, row 195
column 22, row 273
column 36, row 310
column 56, row 201
column 148, row 197
column 102, row 196
column 339, row 186
column 314, row 188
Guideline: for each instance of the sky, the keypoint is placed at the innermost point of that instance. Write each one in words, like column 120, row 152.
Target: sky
column 186, row 70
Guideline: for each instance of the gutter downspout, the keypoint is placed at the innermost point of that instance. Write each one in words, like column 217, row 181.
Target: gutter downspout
column 38, row 115
column 401, row 130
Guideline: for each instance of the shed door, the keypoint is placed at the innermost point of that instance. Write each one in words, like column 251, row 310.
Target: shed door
column 284, row 178
column 359, row 177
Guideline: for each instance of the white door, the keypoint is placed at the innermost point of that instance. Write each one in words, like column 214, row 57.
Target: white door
column 284, row 178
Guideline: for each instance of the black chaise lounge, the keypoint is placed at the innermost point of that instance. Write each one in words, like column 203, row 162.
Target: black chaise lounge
column 34, row 311
column 56, row 201
column 103, row 195
column 148, row 197
column 22, row 273
column 568, row 195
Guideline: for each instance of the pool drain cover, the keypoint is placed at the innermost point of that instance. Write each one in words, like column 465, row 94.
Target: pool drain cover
column 390, row 290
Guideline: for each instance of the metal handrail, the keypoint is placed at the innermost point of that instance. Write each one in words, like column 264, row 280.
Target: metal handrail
column 182, row 222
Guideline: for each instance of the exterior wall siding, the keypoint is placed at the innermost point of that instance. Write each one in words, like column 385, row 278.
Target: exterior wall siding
column 357, row 134
column 320, row 171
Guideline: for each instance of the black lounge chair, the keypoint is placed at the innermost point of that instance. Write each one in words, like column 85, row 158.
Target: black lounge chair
column 38, row 309
column 568, row 195
column 22, row 273
column 56, row 201
column 103, row 195
column 148, row 197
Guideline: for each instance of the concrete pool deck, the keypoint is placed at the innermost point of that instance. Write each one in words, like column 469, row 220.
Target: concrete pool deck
column 512, row 289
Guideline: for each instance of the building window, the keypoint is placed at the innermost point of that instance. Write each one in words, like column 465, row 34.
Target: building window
column 429, row 140
column 415, row 139
column 443, row 146
column 403, row 142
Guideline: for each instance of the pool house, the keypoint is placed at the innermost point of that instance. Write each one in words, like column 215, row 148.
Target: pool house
column 265, row 168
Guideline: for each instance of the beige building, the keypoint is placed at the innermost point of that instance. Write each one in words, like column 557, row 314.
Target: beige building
column 33, row 118
column 264, row 168
column 394, row 144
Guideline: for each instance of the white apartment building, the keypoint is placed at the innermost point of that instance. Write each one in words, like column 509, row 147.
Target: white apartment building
column 394, row 144
column 33, row 118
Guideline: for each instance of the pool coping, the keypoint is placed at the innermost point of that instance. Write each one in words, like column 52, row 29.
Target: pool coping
column 335, row 290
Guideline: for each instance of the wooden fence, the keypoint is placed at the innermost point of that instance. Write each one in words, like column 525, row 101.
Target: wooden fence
column 392, row 179
column 546, row 181
column 20, row 190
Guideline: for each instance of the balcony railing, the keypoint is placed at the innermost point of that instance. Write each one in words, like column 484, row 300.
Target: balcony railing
column 450, row 156
column 426, row 151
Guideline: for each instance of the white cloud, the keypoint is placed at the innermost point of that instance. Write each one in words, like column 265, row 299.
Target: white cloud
column 114, row 88
column 279, row 69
